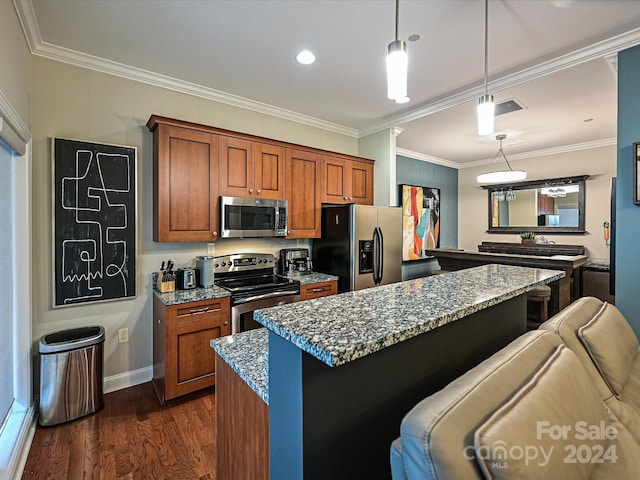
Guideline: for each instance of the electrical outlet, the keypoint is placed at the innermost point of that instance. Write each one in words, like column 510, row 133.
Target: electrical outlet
column 123, row 335
column 211, row 248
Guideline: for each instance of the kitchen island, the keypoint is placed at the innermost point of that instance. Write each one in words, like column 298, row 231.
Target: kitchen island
column 343, row 370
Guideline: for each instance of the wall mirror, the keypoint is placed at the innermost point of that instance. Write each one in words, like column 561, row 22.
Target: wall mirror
column 555, row 205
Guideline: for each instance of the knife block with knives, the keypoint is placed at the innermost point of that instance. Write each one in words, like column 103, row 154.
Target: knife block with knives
column 166, row 278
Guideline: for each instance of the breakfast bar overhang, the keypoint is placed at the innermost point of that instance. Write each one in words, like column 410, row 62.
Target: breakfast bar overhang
column 344, row 370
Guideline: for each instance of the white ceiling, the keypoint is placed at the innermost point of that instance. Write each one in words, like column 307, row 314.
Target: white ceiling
column 547, row 54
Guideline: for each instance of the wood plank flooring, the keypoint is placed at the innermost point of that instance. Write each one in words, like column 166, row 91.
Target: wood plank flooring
column 132, row 437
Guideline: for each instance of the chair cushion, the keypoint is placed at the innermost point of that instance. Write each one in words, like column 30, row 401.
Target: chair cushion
column 541, row 291
column 438, row 432
column 542, row 428
column 397, row 466
column 566, row 324
column 612, row 345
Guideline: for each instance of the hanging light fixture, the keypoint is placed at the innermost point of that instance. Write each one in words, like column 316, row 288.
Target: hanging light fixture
column 500, row 176
column 486, row 105
column 397, row 62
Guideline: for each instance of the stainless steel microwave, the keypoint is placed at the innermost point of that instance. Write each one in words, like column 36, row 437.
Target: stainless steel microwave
column 252, row 217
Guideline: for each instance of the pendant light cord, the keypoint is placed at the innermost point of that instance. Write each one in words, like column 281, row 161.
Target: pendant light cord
column 397, row 17
column 486, row 46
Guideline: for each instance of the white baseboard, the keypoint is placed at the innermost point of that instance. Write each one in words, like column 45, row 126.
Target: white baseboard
column 127, row 379
column 16, row 439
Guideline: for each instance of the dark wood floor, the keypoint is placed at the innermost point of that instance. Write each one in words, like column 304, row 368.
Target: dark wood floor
column 132, row 437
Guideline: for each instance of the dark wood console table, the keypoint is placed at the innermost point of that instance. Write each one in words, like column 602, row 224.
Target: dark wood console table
column 542, row 249
column 563, row 291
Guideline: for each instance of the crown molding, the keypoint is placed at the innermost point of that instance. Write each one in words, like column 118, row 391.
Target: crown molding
column 604, row 49
column 606, row 142
column 13, row 131
column 26, row 14
column 427, row 158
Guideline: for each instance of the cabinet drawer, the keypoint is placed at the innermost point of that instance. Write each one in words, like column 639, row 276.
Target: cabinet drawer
column 195, row 310
column 315, row 290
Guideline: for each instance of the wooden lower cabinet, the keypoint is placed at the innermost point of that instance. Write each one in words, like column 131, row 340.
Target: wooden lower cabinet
column 242, row 428
column 316, row 290
column 183, row 360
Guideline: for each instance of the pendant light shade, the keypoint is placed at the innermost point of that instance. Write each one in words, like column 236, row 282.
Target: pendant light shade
column 502, row 176
column 486, row 115
column 397, row 63
column 486, row 105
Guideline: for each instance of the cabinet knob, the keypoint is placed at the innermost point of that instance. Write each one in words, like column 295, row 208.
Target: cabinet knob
column 251, row 190
column 288, row 232
column 345, row 198
column 214, row 234
column 226, row 323
column 258, row 191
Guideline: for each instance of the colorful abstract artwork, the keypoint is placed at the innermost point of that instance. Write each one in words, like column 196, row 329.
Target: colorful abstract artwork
column 420, row 221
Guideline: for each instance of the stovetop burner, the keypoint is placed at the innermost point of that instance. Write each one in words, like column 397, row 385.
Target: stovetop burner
column 251, row 274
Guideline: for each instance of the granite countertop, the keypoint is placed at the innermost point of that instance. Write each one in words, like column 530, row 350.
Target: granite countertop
column 194, row 295
column 312, row 277
column 246, row 353
column 341, row 328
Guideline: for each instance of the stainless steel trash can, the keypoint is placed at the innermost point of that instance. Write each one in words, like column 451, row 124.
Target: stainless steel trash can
column 71, row 363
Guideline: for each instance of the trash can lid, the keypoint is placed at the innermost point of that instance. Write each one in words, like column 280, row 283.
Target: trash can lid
column 71, row 339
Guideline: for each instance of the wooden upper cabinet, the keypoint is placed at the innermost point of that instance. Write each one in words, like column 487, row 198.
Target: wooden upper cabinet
column 269, row 171
column 251, row 169
column 185, row 174
column 304, row 179
column 347, row 181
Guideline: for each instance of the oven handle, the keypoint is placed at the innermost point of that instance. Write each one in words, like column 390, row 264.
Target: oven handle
column 240, row 301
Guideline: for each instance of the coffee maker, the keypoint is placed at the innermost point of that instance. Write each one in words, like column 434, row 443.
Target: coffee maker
column 295, row 261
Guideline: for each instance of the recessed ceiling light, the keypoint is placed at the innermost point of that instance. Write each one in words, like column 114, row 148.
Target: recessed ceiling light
column 305, row 57
column 588, row 120
column 402, row 100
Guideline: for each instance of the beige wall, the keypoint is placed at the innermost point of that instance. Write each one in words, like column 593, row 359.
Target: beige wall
column 15, row 72
column 85, row 105
column 599, row 163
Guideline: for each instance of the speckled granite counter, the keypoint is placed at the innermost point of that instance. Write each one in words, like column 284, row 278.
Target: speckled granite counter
column 341, row 328
column 313, row 277
column 193, row 295
column 247, row 354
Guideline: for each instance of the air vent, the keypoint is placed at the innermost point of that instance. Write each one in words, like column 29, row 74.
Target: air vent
column 508, row 106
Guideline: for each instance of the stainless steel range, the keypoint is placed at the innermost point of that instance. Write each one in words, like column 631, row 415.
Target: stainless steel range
column 251, row 280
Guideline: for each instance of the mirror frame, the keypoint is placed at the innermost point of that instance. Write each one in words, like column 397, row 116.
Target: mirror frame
column 551, row 182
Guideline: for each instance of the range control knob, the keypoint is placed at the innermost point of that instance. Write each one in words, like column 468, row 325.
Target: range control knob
column 216, row 265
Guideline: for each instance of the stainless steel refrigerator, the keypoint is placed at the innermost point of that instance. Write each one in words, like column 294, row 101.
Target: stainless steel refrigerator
column 361, row 244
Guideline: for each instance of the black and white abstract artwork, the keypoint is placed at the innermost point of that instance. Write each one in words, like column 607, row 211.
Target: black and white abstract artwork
column 94, row 228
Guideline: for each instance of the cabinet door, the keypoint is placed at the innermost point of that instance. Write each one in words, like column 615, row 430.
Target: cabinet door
column 237, row 167
column 190, row 360
column 186, row 185
column 303, row 183
column 269, row 171
column 360, row 179
column 335, row 173
column 316, row 290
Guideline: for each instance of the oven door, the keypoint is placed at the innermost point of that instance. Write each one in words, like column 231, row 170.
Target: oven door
column 242, row 313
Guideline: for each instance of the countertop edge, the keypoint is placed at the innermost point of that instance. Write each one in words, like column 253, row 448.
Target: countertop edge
column 335, row 360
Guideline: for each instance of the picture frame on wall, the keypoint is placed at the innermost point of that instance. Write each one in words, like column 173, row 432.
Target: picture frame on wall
column 636, row 171
column 420, row 221
column 94, row 208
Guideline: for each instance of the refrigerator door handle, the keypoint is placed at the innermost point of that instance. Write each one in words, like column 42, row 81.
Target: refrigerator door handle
column 381, row 264
column 377, row 255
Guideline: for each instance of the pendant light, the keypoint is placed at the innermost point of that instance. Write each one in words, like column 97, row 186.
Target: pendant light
column 397, row 62
column 486, row 105
column 502, row 176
